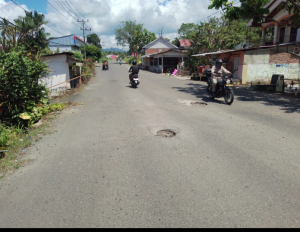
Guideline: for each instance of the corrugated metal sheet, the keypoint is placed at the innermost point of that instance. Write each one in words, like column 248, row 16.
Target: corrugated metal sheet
column 185, row 42
column 68, row 40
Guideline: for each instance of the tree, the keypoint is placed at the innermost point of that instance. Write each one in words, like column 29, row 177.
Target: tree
column 175, row 41
column 255, row 9
column 187, row 30
column 28, row 32
column 92, row 52
column 140, row 38
column 94, row 39
column 125, row 32
column 133, row 35
column 219, row 34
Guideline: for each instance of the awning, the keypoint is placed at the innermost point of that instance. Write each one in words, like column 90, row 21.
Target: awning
column 214, row 53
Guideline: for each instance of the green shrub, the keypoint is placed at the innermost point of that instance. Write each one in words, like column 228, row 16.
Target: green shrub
column 4, row 137
column 20, row 90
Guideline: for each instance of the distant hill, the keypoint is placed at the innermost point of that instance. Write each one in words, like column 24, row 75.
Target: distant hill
column 113, row 49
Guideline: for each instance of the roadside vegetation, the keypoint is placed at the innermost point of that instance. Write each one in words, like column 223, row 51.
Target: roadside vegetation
column 25, row 109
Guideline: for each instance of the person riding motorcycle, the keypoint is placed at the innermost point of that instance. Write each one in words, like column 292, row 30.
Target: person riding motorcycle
column 134, row 69
column 217, row 72
column 104, row 63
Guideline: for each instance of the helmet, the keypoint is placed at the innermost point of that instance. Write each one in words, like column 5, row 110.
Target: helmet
column 219, row 61
column 134, row 62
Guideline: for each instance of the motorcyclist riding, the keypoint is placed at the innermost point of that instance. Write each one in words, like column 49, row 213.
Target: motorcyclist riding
column 134, row 69
column 217, row 72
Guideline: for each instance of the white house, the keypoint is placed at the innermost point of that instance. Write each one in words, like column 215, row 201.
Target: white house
column 60, row 72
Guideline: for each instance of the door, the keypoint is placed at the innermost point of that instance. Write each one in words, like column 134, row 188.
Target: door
column 236, row 67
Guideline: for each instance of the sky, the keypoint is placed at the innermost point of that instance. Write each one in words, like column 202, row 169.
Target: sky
column 105, row 15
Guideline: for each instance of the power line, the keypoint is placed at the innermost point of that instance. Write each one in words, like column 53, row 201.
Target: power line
column 10, row 22
column 61, row 13
column 76, row 9
column 72, row 9
column 28, row 12
column 63, row 6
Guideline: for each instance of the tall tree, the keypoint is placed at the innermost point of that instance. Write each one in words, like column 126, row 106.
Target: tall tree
column 132, row 34
column 28, row 32
column 187, row 30
column 94, row 39
column 255, row 9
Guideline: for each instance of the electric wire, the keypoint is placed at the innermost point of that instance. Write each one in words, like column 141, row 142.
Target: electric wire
column 60, row 3
column 28, row 12
column 61, row 13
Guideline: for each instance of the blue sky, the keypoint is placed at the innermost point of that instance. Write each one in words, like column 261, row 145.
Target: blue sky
column 38, row 5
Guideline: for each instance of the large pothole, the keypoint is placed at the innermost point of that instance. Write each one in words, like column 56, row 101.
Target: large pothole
column 166, row 133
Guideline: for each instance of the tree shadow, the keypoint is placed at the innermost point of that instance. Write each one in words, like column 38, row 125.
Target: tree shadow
column 286, row 102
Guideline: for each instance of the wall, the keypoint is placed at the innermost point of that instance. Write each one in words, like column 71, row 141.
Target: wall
column 230, row 63
column 59, row 72
column 262, row 64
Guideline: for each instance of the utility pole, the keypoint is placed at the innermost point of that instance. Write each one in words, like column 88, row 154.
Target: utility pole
column 84, row 29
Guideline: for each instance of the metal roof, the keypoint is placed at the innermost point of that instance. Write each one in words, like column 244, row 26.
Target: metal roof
column 153, row 54
column 245, row 49
column 185, row 42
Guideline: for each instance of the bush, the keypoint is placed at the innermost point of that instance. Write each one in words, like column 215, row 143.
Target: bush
column 20, row 91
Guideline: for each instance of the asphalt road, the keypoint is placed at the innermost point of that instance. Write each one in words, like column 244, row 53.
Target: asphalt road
column 105, row 166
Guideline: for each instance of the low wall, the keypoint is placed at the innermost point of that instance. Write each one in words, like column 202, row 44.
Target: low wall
column 264, row 72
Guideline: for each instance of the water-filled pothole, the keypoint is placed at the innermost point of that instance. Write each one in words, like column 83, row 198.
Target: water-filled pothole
column 166, row 133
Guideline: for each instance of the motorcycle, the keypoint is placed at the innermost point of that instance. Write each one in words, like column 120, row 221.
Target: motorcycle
column 105, row 67
column 135, row 81
column 223, row 88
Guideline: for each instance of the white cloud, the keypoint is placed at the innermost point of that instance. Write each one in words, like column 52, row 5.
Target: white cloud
column 10, row 11
column 105, row 15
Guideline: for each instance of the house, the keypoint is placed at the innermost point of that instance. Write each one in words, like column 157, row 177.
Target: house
column 66, row 43
column 62, row 70
column 278, row 21
column 161, row 55
column 258, row 64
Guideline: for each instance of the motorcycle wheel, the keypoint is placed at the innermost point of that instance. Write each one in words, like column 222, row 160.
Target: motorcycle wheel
column 229, row 96
column 209, row 91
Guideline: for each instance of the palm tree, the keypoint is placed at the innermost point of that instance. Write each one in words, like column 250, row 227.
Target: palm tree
column 28, row 31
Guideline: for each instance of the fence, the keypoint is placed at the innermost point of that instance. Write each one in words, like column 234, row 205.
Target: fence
column 65, row 82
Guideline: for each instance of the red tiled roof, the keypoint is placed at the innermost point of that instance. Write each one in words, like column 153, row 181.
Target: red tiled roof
column 185, row 42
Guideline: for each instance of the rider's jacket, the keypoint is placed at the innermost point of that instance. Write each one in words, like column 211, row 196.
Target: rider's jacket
column 218, row 73
column 134, row 69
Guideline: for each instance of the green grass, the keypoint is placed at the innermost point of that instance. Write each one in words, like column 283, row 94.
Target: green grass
column 19, row 140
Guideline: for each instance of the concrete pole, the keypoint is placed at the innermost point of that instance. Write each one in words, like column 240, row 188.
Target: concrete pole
column 162, row 62
column 275, row 39
column 263, row 37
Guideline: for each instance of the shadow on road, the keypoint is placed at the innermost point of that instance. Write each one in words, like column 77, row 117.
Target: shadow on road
column 287, row 103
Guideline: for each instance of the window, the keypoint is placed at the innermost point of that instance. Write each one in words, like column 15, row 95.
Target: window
column 293, row 35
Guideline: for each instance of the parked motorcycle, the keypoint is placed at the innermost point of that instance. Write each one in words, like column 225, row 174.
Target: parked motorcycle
column 135, row 81
column 223, row 88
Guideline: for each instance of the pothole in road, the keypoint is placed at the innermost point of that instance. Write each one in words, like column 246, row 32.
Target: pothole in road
column 166, row 133
column 198, row 103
